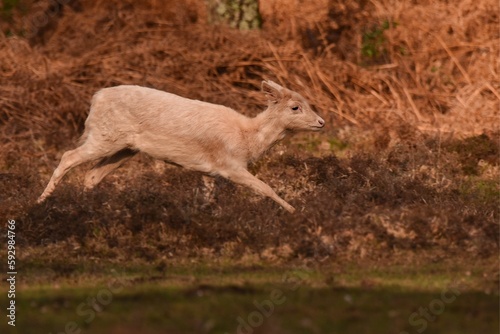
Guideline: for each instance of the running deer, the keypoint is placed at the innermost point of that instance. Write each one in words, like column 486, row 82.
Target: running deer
column 196, row 135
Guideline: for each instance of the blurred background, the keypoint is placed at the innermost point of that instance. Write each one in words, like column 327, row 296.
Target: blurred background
column 432, row 65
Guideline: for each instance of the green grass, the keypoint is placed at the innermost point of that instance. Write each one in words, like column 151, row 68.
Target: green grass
column 480, row 190
column 218, row 297
column 7, row 7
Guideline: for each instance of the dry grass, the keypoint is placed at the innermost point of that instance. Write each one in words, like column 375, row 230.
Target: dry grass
column 412, row 202
column 436, row 69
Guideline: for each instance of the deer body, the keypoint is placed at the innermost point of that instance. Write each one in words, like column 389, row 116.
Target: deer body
column 196, row 135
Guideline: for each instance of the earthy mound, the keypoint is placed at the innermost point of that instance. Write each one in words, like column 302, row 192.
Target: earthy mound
column 409, row 159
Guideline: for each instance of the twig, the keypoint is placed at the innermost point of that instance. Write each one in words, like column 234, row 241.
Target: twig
column 412, row 104
column 454, row 59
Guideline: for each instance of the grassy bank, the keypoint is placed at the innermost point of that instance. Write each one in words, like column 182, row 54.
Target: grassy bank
column 206, row 297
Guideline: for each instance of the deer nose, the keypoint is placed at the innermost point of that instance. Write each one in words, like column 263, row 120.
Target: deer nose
column 321, row 122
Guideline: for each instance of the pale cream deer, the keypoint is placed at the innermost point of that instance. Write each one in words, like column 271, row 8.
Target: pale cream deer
column 196, row 135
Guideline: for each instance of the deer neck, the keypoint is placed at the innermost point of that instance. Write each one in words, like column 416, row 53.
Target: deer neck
column 264, row 132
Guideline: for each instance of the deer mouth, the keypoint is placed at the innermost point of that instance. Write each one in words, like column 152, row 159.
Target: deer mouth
column 316, row 127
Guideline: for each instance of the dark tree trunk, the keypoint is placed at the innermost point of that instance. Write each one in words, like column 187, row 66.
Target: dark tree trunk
column 241, row 14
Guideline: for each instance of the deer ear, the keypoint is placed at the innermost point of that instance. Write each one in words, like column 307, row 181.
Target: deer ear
column 272, row 90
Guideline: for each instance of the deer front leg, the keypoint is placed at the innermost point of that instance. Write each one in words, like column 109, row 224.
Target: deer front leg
column 244, row 177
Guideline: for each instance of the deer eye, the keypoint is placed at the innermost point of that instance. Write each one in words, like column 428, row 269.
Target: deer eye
column 295, row 108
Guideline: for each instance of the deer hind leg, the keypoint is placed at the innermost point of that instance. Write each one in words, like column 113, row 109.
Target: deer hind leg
column 244, row 177
column 69, row 160
column 92, row 149
column 106, row 166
